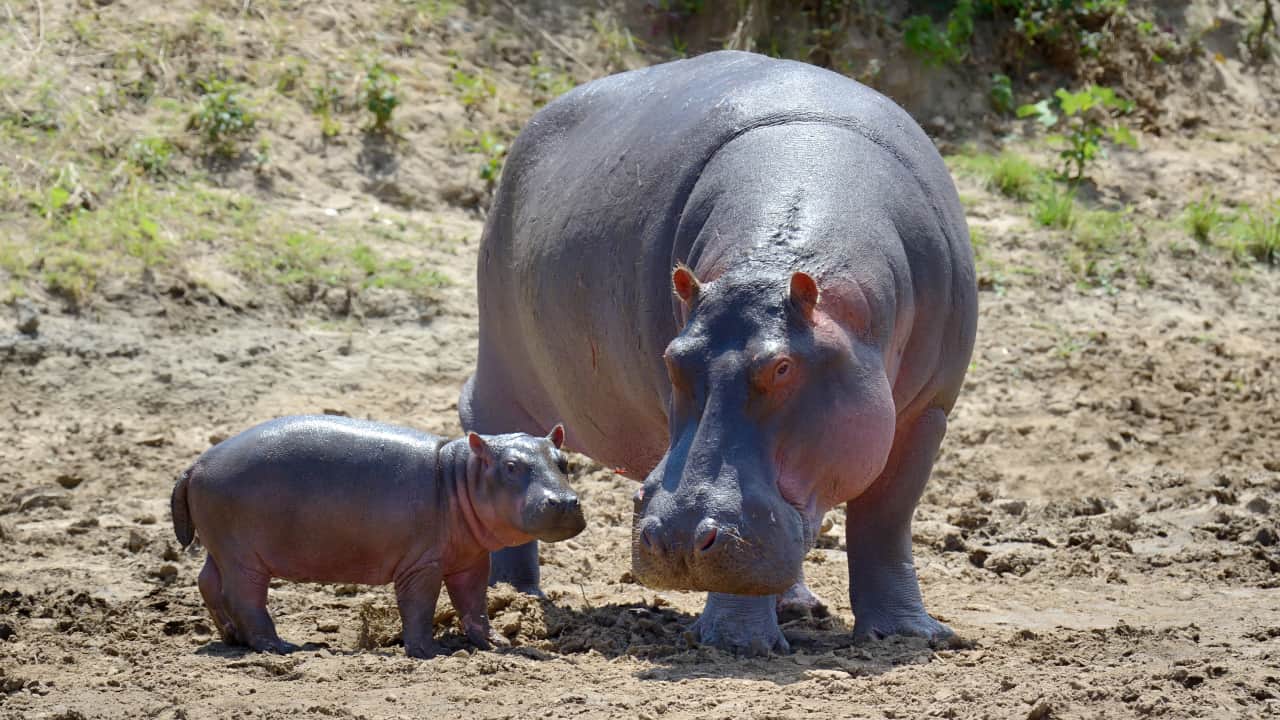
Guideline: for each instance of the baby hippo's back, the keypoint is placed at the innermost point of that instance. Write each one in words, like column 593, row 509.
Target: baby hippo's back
column 319, row 498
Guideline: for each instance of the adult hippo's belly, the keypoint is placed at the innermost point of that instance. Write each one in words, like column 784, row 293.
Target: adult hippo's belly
column 747, row 282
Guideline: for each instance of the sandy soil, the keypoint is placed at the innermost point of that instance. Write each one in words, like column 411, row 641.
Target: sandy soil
column 1101, row 528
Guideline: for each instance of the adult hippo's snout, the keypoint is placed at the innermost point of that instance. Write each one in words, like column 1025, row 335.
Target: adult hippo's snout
column 728, row 533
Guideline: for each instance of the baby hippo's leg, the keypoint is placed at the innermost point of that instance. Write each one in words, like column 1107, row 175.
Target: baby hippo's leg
column 416, row 594
column 210, row 583
column 244, row 595
column 467, row 591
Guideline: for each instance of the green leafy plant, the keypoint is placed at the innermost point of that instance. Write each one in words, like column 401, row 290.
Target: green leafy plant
column 472, row 88
column 1001, row 94
column 380, row 96
column 222, row 118
column 1088, row 117
column 940, row 46
column 151, row 156
column 1009, row 173
column 494, row 152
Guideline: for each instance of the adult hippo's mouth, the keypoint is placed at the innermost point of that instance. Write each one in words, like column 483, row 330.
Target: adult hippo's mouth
column 682, row 545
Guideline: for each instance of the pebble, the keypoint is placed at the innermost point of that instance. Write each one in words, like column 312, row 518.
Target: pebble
column 28, row 319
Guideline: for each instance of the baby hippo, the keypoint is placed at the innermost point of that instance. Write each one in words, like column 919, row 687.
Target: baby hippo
column 331, row 499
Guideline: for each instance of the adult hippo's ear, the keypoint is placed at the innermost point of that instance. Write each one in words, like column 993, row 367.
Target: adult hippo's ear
column 804, row 294
column 480, row 449
column 556, row 436
column 685, row 284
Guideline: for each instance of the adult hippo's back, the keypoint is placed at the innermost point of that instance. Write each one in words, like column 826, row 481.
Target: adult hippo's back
column 822, row 319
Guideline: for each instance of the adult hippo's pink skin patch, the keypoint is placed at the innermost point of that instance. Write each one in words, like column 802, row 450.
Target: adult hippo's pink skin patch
column 749, row 282
column 331, row 499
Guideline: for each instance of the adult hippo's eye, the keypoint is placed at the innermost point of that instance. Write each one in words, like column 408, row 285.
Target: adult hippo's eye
column 773, row 375
column 781, row 369
column 511, row 467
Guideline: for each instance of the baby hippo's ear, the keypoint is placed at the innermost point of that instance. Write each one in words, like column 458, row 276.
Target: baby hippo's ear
column 556, row 436
column 480, row 449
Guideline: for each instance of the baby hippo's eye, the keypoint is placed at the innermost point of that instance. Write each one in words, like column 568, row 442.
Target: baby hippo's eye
column 511, row 466
column 782, row 368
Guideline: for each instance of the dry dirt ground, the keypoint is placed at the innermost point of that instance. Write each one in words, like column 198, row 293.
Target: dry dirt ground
column 1101, row 528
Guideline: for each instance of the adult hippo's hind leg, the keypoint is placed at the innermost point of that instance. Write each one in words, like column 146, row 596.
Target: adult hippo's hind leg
column 883, row 586
column 486, row 414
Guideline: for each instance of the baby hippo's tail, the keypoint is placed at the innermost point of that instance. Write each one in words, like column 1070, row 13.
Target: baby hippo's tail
column 182, row 526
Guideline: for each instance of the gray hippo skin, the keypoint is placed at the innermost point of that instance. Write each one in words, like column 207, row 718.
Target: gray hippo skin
column 330, row 499
column 822, row 320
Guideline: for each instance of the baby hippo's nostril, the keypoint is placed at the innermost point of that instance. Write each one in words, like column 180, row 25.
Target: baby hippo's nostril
column 708, row 532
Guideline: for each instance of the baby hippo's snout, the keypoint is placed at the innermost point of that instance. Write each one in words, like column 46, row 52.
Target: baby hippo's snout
column 558, row 516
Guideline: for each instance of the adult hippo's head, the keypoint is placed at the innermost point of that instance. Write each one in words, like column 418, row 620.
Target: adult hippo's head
column 778, row 410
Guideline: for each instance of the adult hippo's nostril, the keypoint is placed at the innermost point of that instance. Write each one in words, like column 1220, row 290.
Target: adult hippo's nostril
column 707, row 534
column 649, row 538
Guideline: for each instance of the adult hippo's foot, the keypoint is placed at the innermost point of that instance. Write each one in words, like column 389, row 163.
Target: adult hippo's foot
column 741, row 624
column 518, row 567
column 886, row 602
column 883, row 586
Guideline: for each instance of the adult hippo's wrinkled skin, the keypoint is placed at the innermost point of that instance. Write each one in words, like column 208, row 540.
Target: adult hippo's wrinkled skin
column 329, row 499
column 822, row 320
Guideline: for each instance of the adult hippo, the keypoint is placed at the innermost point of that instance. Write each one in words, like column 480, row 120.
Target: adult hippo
column 821, row 323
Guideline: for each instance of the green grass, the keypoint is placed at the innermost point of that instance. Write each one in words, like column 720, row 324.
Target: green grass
column 1255, row 235
column 1202, row 217
column 304, row 258
column 1008, row 173
column 1055, row 209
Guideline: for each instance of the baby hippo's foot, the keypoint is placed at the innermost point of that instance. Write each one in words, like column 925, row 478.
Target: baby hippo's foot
column 487, row 638
column 799, row 602
column 741, row 624
column 274, row 645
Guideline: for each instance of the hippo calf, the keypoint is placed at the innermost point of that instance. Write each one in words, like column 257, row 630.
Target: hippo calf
column 748, row 282
column 332, row 499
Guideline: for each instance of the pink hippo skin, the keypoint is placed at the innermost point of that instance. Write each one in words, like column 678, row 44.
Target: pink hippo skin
column 331, row 499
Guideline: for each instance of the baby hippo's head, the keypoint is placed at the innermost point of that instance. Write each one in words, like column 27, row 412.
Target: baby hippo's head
column 525, row 479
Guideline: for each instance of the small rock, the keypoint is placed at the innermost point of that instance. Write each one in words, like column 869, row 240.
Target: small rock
column 6, row 631
column 170, row 554
column 1013, row 507
column 216, row 438
column 145, row 519
column 826, row 676
column 1041, row 711
column 69, row 480
column 509, row 623
column 463, row 654
column 1265, row 537
column 45, row 498
column 153, row 441
column 165, row 573
column 28, row 319
column 952, row 542
column 136, row 542
column 327, row 627
column 1258, row 505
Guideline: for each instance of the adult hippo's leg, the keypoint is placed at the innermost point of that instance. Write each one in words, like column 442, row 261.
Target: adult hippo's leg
column 491, row 413
column 746, row 624
column 518, row 567
column 883, row 586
